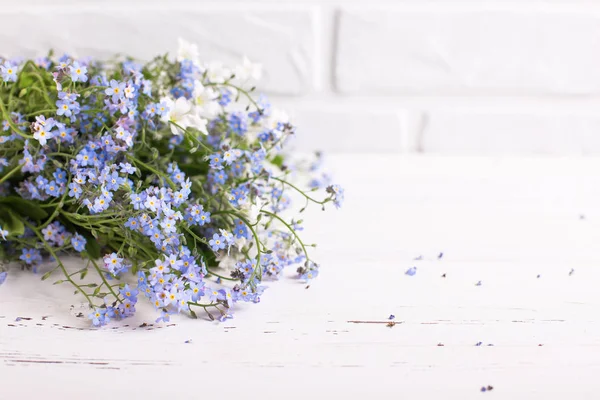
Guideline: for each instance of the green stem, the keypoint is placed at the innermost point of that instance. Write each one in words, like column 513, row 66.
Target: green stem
column 103, row 215
column 201, row 240
column 137, row 244
column 301, row 192
column 281, row 139
column 99, row 220
column 62, row 267
column 244, row 92
column 211, row 272
column 189, row 135
column 81, row 92
column 104, row 280
column 154, row 170
column 14, row 127
column 254, row 234
column 205, row 306
column 196, row 237
column 40, row 112
column 61, row 154
column 44, row 87
column 57, row 210
column 290, row 229
column 11, row 172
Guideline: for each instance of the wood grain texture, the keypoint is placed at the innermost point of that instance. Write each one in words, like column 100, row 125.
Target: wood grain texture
column 499, row 221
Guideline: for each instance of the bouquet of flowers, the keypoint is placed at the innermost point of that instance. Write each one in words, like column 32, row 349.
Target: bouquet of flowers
column 172, row 171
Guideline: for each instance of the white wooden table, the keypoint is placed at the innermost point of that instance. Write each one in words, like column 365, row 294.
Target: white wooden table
column 499, row 221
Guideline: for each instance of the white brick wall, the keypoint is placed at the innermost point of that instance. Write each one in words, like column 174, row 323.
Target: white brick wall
column 462, row 77
column 492, row 132
column 282, row 39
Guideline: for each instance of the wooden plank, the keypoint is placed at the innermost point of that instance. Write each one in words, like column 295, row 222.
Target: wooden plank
column 499, row 221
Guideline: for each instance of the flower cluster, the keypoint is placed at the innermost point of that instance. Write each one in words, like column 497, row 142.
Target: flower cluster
column 171, row 171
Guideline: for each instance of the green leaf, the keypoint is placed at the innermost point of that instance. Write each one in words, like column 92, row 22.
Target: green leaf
column 92, row 248
column 132, row 251
column 24, row 207
column 47, row 275
column 26, row 80
column 197, row 168
column 12, row 223
column 277, row 160
column 210, row 258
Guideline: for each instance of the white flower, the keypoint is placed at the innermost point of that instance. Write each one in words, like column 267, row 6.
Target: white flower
column 183, row 114
column 195, row 121
column 252, row 209
column 216, row 73
column 188, row 51
column 206, row 101
column 177, row 113
column 240, row 242
column 276, row 118
column 248, row 70
column 227, row 261
column 42, row 135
